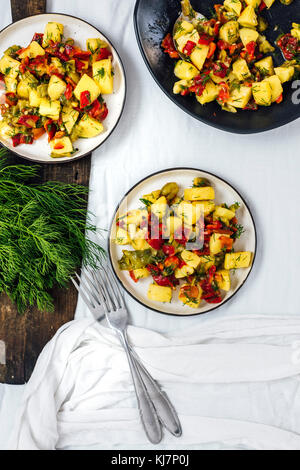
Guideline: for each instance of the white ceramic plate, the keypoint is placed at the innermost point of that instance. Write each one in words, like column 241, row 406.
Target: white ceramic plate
column 21, row 33
column 184, row 178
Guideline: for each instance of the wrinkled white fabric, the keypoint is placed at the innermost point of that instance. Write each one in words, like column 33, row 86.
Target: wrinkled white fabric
column 234, row 383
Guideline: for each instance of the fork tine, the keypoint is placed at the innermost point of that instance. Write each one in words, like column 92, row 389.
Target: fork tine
column 92, row 274
column 116, row 284
column 99, row 288
column 105, row 299
column 87, row 302
column 93, row 299
column 107, row 295
column 94, row 291
column 113, row 296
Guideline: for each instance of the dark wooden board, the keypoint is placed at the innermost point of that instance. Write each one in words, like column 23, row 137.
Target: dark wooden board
column 26, row 335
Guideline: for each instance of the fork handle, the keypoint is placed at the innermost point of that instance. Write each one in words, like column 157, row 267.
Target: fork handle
column 165, row 410
column 147, row 411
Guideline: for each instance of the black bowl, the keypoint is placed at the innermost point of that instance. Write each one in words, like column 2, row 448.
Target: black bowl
column 154, row 19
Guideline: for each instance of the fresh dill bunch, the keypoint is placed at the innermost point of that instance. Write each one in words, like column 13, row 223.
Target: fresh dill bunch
column 45, row 232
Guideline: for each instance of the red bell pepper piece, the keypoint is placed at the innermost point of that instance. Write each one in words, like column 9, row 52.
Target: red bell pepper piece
column 26, row 139
column 131, row 274
column 50, row 128
column 212, row 49
column 104, row 53
column 38, row 37
column 28, row 120
column 37, row 133
column 226, row 243
column 69, row 92
column 79, row 65
column 19, row 139
column 16, row 139
column 220, row 69
column 222, row 45
column 153, row 269
column 290, row 46
column 162, row 280
column 205, row 39
column 172, row 261
column 82, row 55
column 24, row 64
column 224, row 94
column 168, row 46
column 58, row 146
column 85, row 99
column 156, row 244
column 250, row 48
column 214, row 226
column 189, row 47
column 99, row 110
column 168, row 250
column 262, row 6
column 11, row 99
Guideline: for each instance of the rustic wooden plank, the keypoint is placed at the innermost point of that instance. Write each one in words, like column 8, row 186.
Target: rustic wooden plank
column 22, row 8
column 26, row 335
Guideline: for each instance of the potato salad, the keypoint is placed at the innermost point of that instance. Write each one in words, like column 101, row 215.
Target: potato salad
column 228, row 58
column 54, row 87
column 185, row 243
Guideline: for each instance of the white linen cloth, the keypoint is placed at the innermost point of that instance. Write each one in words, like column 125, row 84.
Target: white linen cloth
column 226, row 406
column 222, row 379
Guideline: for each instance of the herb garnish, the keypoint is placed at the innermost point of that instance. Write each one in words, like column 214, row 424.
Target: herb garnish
column 44, row 232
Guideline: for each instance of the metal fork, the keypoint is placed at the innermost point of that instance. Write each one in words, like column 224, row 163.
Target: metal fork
column 104, row 295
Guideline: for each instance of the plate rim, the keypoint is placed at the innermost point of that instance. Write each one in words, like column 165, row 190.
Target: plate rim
column 72, row 159
column 158, row 173
column 228, row 129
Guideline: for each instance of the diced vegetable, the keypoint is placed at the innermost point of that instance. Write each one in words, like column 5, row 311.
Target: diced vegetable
column 248, row 35
column 190, row 258
column 86, row 83
column 209, row 94
column 185, row 70
column 229, row 32
column 141, row 273
column 199, row 194
column 159, row 293
column 69, row 117
column 285, row 74
column 241, row 70
column 62, row 146
column 190, row 295
column 265, row 66
column 32, row 51
column 135, row 259
column 199, row 55
column 248, row 18
column 53, row 32
column 223, row 279
column 50, row 109
column 240, row 96
column 276, row 87
column 237, row 260
column 215, row 244
column 262, row 93
column 159, row 207
column 103, row 76
column 88, row 127
column 56, row 87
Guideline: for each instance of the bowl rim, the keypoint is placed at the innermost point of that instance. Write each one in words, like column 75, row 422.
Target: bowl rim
column 113, row 219
column 223, row 128
column 72, row 159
